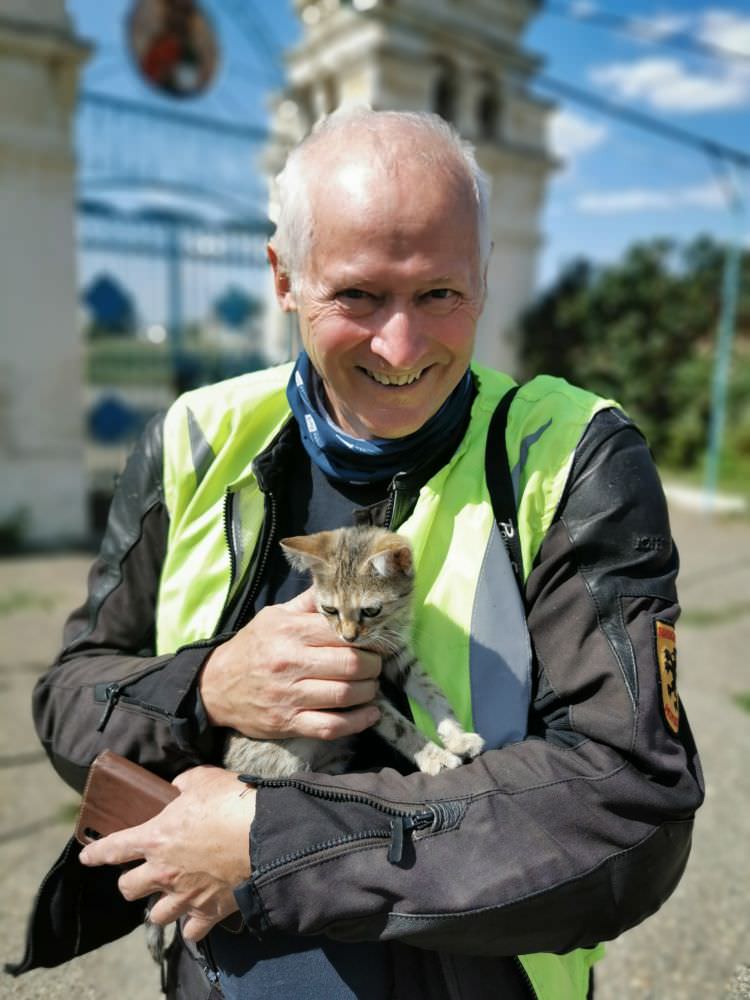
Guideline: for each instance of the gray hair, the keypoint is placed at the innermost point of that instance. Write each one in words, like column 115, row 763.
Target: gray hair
column 292, row 240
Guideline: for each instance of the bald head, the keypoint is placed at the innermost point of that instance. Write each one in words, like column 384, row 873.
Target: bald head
column 353, row 155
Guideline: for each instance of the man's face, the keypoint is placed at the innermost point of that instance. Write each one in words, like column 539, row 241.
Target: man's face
column 391, row 294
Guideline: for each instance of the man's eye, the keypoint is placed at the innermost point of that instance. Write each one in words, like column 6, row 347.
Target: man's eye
column 328, row 611
column 372, row 612
column 353, row 293
column 440, row 293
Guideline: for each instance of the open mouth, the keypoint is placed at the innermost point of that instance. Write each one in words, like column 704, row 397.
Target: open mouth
column 395, row 378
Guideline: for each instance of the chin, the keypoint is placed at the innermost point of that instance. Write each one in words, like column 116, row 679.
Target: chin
column 399, row 431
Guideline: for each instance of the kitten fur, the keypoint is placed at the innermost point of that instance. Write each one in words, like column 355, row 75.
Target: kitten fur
column 363, row 579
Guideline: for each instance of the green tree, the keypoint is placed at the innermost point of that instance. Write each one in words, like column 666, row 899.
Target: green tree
column 643, row 330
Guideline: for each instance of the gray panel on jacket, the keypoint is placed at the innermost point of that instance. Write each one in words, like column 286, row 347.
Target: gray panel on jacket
column 499, row 651
column 200, row 449
column 523, row 455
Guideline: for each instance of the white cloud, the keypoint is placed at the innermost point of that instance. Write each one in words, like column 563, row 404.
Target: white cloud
column 653, row 29
column 726, row 29
column 617, row 202
column 667, row 85
column 571, row 135
column 583, row 8
column 708, row 196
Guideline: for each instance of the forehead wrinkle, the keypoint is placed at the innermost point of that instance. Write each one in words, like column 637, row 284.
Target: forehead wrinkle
column 375, row 172
column 383, row 218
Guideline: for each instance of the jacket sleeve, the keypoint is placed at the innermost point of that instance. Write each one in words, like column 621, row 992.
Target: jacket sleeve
column 107, row 689
column 559, row 841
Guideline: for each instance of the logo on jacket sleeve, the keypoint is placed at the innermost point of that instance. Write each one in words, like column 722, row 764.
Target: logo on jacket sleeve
column 666, row 655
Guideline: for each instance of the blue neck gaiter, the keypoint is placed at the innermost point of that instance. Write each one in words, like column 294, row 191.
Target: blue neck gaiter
column 354, row 460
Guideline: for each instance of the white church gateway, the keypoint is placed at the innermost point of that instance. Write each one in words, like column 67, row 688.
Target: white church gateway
column 463, row 60
column 42, row 475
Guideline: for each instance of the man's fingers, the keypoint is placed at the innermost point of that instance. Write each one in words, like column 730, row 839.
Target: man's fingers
column 196, row 925
column 143, row 880
column 341, row 664
column 116, row 849
column 334, row 725
column 167, row 909
column 315, row 694
column 196, row 928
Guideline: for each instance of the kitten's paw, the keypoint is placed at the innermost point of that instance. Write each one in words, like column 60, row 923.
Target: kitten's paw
column 432, row 759
column 466, row 745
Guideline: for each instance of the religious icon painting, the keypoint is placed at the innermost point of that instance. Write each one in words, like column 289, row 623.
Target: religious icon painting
column 173, row 45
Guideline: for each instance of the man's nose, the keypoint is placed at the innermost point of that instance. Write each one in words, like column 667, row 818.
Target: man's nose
column 400, row 340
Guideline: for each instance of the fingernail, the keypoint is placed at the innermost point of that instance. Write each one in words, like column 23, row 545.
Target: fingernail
column 83, row 857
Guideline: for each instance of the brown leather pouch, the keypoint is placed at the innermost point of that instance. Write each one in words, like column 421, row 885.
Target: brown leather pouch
column 119, row 794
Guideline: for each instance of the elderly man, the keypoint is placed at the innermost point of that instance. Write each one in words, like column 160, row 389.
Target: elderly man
column 545, row 610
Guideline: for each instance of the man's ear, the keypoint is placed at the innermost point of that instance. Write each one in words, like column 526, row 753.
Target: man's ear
column 484, row 275
column 281, row 281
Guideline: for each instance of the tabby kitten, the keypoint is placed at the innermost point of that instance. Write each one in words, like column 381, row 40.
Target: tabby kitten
column 363, row 579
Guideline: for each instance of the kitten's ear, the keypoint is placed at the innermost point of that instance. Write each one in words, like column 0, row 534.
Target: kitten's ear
column 392, row 555
column 305, row 552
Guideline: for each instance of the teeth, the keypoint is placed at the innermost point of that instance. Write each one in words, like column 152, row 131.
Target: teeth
column 405, row 379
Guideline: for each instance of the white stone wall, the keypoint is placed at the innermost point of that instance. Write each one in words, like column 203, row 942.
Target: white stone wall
column 41, row 439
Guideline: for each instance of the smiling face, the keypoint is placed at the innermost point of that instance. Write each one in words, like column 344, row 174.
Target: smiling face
column 392, row 288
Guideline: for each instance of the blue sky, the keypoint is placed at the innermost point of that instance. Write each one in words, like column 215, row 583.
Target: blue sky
column 618, row 184
column 621, row 184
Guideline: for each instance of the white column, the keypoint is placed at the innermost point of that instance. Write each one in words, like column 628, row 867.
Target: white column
column 517, row 193
column 41, row 430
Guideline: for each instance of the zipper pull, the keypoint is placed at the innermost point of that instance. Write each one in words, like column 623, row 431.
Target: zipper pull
column 400, row 826
column 250, row 781
column 396, row 848
column 112, row 693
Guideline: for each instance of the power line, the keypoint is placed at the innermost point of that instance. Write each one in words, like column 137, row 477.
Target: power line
column 157, row 115
column 674, row 133
column 645, row 31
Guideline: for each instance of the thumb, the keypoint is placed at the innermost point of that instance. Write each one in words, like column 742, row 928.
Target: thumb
column 303, row 602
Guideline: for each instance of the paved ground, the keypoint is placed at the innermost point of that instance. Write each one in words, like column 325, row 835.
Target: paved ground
column 688, row 951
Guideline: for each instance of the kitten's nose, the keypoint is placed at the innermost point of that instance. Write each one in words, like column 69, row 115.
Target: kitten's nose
column 349, row 631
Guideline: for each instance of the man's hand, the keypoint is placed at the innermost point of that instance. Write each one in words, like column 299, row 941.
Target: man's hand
column 195, row 852
column 286, row 674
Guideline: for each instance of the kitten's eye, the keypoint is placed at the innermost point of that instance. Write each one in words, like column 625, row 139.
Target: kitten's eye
column 328, row 611
column 372, row 612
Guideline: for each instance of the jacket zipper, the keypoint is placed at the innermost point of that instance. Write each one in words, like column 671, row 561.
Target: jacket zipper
column 401, row 823
column 260, row 563
column 525, row 977
column 112, row 692
column 228, row 504
column 112, row 696
column 266, row 542
column 392, row 510
column 389, row 509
